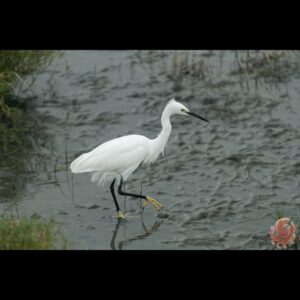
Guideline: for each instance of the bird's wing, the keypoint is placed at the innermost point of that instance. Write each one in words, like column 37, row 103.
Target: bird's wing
column 113, row 156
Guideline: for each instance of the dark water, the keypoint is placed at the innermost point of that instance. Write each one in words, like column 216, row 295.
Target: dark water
column 220, row 183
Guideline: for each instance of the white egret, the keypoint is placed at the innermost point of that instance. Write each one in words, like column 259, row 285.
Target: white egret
column 119, row 157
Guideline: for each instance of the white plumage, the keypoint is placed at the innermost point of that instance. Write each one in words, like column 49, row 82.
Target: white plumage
column 120, row 156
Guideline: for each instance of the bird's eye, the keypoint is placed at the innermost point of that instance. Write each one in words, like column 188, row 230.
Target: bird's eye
column 183, row 110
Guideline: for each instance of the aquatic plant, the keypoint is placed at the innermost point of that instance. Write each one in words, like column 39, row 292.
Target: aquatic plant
column 14, row 66
column 269, row 65
column 30, row 234
column 188, row 63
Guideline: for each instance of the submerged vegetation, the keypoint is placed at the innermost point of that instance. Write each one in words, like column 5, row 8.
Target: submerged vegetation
column 269, row 65
column 30, row 234
column 15, row 65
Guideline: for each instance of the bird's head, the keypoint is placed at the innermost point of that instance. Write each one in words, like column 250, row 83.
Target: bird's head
column 176, row 108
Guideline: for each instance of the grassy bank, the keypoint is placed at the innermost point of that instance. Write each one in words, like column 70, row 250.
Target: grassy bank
column 15, row 66
column 30, row 234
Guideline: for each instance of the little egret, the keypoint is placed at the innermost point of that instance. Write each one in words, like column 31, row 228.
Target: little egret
column 118, row 158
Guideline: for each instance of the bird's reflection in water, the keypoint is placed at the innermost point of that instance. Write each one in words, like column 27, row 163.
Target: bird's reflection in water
column 145, row 233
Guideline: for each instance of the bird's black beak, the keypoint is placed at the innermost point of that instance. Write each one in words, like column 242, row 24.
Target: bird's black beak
column 197, row 116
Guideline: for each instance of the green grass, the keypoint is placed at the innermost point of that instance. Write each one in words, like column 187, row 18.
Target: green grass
column 30, row 234
column 279, row 213
column 15, row 66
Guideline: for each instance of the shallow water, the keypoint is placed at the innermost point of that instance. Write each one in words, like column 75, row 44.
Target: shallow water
column 220, row 183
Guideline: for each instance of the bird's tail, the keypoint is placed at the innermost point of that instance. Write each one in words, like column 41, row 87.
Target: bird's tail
column 76, row 165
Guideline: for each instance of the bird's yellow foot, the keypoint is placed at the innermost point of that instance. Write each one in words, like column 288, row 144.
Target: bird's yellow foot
column 156, row 204
column 120, row 215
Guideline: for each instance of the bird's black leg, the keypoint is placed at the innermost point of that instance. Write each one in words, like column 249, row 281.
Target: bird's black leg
column 120, row 215
column 147, row 198
column 129, row 194
column 112, row 190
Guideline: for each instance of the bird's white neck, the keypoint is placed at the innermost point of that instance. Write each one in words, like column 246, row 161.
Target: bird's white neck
column 159, row 143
